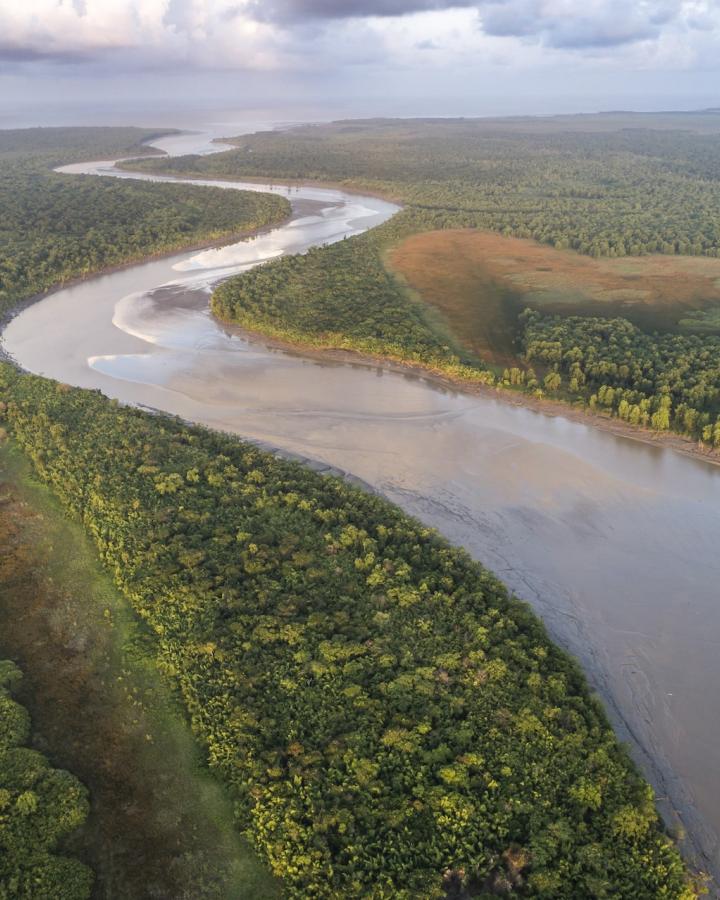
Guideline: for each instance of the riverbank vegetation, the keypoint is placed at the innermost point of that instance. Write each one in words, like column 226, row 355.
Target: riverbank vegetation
column 386, row 719
column 55, row 228
column 39, row 807
column 342, row 297
column 661, row 381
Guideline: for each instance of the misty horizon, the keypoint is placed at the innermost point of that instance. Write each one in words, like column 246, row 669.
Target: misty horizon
column 170, row 62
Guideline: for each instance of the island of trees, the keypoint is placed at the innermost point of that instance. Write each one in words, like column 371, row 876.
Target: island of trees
column 39, row 806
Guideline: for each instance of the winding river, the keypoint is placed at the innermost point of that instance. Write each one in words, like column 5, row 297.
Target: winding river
column 614, row 542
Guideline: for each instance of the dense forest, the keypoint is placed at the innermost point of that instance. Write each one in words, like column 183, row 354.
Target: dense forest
column 389, row 722
column 626, row 189
column 39, row 806
column 662, row 381
column 58, row 227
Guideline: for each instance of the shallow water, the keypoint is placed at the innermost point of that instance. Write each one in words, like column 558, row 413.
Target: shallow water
column 611, row 540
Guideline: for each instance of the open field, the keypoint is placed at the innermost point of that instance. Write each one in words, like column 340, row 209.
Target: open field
column 479, row 281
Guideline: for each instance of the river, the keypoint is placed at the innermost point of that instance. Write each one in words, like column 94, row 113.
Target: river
column 613, row 542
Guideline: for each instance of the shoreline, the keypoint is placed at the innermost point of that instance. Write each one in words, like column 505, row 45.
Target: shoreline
column 545, row 406
column 207, row 244
column 274, row 182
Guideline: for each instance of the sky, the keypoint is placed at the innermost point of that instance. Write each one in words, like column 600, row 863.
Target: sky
column 64, row 61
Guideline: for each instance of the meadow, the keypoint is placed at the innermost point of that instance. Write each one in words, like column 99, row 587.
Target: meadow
column 480, row 282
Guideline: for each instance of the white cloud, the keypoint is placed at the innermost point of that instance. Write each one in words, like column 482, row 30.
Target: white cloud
column 206, row 32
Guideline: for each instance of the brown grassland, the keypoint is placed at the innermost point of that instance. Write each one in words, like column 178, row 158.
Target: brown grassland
column 479, row 281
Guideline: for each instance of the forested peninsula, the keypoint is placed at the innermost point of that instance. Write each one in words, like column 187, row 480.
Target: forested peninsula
column 387, row 720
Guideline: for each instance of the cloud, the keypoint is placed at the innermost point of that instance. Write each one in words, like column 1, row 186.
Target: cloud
column 566, row 24
column 199, row 32
column 302, row 10
column 324, row 35
column 20, row 53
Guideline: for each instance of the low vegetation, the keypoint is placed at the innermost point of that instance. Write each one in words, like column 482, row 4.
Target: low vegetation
column 388, row 721
column 39, row 806
column 481, row 281
column 58, row 227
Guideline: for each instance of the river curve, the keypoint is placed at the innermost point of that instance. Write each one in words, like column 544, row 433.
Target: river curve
column 612, row 541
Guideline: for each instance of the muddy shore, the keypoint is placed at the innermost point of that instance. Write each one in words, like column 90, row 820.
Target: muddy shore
column 549, row 407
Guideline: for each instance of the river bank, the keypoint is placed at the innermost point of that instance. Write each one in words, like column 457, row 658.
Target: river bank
column 8, row 314
column 544, row 405
column 346, row 188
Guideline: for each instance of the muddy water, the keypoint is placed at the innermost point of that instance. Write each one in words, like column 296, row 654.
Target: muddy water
column 613, row 542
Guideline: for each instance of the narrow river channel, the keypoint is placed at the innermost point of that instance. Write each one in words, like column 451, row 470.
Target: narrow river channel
column 613, row 542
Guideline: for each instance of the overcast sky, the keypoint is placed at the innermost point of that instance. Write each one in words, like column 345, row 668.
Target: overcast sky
column 469, row 57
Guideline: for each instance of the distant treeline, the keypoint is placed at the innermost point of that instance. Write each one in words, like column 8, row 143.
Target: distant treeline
column 55, row 227
column 389, row 722
column 627, row 191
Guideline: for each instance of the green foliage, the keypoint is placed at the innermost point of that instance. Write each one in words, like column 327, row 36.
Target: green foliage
column 340, row 296
column 58, row 227
column 389, row 722
column 663, row 381
column 601, row 186
column 39, row 806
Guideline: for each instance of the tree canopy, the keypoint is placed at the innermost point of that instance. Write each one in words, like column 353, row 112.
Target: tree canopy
column 389, row 722
column 39, row 806
column 57, row 227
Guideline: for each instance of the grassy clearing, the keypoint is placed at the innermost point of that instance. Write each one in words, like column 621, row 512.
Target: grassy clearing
column 159, row 825
column 479, row 281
